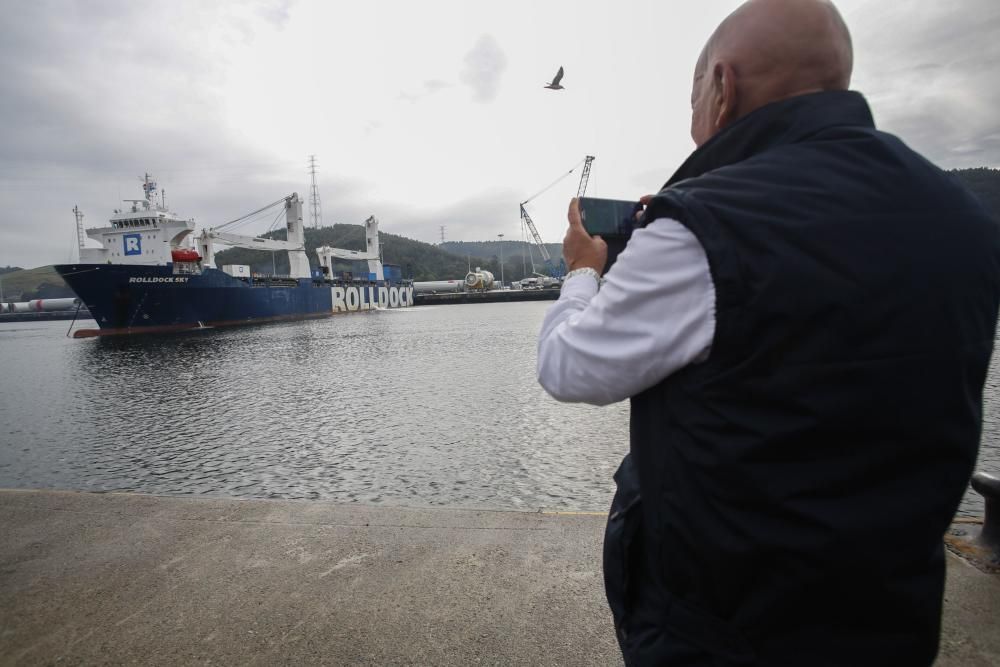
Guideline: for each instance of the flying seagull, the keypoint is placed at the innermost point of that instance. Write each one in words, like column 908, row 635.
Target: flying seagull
column 555, row 81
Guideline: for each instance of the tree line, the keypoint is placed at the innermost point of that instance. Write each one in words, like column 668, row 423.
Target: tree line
column 985, row 184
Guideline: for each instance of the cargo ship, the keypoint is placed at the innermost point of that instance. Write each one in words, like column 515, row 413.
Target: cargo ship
column 152, row 274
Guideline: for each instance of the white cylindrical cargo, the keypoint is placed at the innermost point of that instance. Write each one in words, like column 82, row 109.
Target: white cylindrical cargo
column 479, row 279
column 438, row 286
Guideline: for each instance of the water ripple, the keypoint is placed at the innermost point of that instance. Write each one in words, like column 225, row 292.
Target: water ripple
column 432, row 406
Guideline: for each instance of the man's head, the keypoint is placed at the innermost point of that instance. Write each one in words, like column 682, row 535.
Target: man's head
column 766, row 51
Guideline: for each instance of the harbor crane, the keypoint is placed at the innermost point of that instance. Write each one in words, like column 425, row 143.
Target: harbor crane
column 553, row 270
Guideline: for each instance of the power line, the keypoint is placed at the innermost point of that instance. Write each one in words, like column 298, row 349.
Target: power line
column 553, row 183
column 244, row 217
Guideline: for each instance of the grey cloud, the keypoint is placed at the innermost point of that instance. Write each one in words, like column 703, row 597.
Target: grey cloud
column 483, row 67
column 929, row 72
column 276, row 12
column 89, row 101
column 429, row 87
column 436, row 85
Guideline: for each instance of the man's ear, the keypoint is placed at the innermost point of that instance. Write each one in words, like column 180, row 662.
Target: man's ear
column 724, row 88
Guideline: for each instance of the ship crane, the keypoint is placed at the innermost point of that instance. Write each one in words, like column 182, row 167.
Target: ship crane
column 555, row 272
column 372, row 253
column 295, row 245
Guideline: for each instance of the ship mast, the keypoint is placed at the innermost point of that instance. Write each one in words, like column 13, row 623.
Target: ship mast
column 148, row 188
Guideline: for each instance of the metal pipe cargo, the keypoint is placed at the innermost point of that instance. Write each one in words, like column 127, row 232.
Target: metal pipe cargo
column 50, row 305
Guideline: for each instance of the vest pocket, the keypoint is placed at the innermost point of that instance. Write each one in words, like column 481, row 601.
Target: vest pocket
column 664, row 622
column 620, row 537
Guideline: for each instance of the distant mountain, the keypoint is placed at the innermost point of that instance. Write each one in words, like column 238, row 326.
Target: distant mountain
column 517, row 256
column 417, row 260
column 985, row 184
column 492, row 248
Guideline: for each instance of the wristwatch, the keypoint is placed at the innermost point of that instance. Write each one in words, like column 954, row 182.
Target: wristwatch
column 584, row 271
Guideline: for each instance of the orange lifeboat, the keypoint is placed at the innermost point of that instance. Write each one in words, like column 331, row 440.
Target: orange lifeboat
column 185, row 255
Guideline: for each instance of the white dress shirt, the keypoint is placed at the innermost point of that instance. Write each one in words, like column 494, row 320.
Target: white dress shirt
column 654, row 315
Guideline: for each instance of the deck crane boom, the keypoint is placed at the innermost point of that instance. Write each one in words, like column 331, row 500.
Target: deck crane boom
column 585, row 176
column 534, row 234
column 555, row 272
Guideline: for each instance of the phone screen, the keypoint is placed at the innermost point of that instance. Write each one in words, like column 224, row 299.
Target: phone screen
column 608, row 217
column 611, row 219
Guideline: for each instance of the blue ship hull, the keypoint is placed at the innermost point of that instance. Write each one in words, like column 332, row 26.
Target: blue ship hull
column 134, row 299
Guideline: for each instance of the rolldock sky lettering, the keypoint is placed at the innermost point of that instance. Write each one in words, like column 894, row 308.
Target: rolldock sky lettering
column 158, row 279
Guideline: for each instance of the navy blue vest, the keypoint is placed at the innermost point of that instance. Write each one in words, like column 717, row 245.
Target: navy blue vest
column 795, row 487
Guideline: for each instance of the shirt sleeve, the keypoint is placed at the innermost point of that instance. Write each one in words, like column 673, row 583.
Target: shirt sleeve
column 654, row 315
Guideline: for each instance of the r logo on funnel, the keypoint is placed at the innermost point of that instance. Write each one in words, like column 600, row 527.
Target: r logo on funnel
column 133, row 244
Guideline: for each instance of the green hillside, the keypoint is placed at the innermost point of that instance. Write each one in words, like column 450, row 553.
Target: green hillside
column 419, row 261
column 490, row 249
column 516, row 258
column 39, row 283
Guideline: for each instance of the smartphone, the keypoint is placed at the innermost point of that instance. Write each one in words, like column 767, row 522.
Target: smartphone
column 611, row 219
column 608, row 217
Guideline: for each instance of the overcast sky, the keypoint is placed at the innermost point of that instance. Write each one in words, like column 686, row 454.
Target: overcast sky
column 423, row 113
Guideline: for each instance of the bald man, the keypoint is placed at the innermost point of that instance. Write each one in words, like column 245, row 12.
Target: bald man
column 803, row 324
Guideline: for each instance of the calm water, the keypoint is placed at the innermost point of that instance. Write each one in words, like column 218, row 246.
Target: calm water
column 425, row 406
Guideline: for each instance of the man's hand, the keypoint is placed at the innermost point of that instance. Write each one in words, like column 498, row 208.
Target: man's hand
column 580, row 249
column 643, row 200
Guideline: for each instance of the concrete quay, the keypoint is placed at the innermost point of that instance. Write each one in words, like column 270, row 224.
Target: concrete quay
column 495, row 296
column 134, row 579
